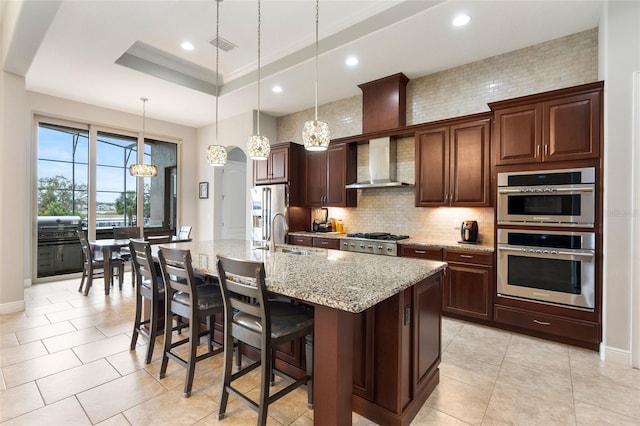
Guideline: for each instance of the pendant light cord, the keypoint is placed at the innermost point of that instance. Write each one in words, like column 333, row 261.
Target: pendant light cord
column 259, row 22
column 144, row 115
column 217, row 60
column 316, row 86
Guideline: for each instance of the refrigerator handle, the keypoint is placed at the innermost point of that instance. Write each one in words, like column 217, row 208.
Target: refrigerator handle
column 263, row 208
column 267, row 213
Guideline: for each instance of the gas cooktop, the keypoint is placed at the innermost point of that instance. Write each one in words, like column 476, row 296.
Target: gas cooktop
column 378, row 236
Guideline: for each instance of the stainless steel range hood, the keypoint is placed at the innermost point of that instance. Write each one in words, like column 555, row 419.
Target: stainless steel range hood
column 382, row 166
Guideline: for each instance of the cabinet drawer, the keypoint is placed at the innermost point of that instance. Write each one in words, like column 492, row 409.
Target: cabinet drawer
column 328, row 243
column 465, row 256
column 429, row 253
column 550, row 324
column 301, row 240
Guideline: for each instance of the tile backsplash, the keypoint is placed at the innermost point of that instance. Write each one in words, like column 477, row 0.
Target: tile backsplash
column 563, row 62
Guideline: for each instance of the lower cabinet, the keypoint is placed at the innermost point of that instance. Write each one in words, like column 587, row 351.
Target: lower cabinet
column 300, row 240
column 575, row 330
column 468, row 286
column 308, row 241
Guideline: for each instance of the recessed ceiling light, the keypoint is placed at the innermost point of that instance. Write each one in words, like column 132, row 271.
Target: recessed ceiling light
column 461, row 20
column 352, row 61
column 186, row 45
column 277, row 89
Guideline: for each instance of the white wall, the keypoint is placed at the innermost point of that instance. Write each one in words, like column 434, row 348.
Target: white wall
column 233, row 132
column 619, row 59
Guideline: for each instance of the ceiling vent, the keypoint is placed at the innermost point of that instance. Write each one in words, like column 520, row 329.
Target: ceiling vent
column 223, row 44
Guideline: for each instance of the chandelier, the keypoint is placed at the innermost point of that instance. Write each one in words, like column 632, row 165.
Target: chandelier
column 143, row 170
column 315, row 134
column 217, row 154
column 257, row 145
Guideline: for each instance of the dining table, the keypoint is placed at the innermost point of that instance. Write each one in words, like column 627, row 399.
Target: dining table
column 339, row 285
column 109, row 246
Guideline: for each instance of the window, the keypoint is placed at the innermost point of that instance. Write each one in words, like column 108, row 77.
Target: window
column 65, row 168
column 63, row 171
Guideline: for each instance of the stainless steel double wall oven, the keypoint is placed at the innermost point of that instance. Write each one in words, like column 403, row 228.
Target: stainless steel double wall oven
column 536, row 259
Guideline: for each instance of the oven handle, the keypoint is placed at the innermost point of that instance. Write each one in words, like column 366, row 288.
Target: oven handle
column 545, row 190
column 545, row 251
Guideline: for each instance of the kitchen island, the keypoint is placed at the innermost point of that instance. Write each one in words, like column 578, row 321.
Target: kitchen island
column 377, row 324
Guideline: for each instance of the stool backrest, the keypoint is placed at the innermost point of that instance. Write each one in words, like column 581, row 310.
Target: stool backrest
column 177, row 272
column 244, row 291
column 143, row 263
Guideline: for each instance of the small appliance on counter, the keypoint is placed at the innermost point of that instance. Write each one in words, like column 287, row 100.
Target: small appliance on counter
column 469, row 232
column 325, row 224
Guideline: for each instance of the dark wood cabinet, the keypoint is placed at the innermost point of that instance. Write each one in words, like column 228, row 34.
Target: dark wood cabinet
column 560, row 125
column 285, row 165
column 328, row 243
column 396, row 353
column 468, row 286
column 300, row 240
column 327, row 174
column 421, row 252
column 452, row 163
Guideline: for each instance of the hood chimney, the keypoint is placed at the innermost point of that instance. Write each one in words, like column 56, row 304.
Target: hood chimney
column 384, row 103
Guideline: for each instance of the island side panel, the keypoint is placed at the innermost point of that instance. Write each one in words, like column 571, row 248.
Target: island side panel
column 406, row 342
column 332, row 366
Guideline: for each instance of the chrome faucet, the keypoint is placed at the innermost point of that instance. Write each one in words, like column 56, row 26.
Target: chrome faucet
column 272, row 240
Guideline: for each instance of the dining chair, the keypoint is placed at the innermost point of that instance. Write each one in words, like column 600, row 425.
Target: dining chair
column 251, row 318
column 183, row 232
column 93, row 264
column 184, row 297
column 150, row 286
column 124, row 233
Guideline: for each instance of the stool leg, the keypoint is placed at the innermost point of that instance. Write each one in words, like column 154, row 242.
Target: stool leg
column 153, row 330
column 226, row 369
column 136, row 322
column 265, row 376
column 167, row 337
column 194, row 337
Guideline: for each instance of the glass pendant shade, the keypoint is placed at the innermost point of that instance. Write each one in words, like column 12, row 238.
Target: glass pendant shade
column 143, row 170
column 216, row 155
column 258, row 147
column 316, row 135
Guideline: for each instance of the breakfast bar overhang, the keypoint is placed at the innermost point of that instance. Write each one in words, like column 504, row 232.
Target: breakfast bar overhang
column 377, row 324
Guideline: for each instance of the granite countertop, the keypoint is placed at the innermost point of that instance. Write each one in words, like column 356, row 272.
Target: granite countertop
column 448, row 244
column 335, row 235
column 351, row 282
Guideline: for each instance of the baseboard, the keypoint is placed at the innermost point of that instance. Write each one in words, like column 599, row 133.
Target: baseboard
column 12, row 307
column 615, row 355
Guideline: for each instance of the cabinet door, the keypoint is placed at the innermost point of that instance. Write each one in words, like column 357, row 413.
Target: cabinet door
column 278, row 165
column 261, row 172
column 572, row 128
column 517, row 134
column 432, row 167
column 469, row 175
column 316, row 178
column 427, row 329
column 429, row 253
column 336, row 193
column 328, row 243
column 468, row 290
column 301, row 240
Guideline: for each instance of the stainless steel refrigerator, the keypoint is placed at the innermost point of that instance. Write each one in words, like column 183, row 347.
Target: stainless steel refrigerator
column 266, row 201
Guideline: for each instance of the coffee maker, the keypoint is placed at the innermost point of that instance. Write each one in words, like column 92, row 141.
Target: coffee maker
column 469, row 231
column 325, row 224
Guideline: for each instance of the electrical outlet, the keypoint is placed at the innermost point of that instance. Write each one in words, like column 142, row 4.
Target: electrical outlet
column 456, row 224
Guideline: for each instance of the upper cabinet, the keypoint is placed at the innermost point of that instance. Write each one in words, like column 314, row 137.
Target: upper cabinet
column 560, row 125
column 327, row 174
column 284, row 165
column 452, row 163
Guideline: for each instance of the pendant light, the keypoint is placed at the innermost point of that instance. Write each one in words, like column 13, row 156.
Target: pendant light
column 257, row 145
column 217, row 154
column 143, row 170
column 315, row 134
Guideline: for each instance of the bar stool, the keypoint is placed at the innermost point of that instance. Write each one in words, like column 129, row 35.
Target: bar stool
column 251, row 318
column 185, row 298
column 124, row 233
column 149, row 285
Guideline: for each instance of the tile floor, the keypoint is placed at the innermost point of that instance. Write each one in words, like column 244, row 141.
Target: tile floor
column 66, row 361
